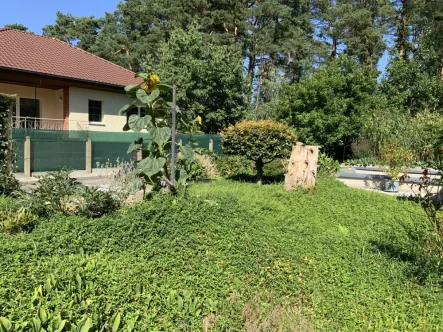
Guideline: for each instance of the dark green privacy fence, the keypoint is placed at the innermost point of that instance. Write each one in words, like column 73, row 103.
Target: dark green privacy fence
column 52, row 149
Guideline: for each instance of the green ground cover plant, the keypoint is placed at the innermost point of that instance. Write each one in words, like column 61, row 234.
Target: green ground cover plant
column 227, row 256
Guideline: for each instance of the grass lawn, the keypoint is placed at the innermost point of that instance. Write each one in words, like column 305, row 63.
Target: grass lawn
column 230, row 256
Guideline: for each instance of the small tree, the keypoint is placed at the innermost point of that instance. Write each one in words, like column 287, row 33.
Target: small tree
column 260, row 141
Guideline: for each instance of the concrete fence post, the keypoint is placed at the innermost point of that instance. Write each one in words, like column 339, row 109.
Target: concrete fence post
column 88, row 155
column 211, row 145
column 180, row 142
column 139, row 155
column 27, row 157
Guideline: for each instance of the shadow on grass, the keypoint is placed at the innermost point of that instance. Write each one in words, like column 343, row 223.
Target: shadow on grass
column 267, row 179
column 420, row 266
column 394, row 251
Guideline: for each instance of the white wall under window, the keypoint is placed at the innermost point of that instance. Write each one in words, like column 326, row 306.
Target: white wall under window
column 111, row 105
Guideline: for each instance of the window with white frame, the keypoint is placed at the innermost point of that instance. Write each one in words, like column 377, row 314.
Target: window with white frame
column 95, row 111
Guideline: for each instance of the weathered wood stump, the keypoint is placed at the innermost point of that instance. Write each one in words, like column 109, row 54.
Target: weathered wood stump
column 302, row 168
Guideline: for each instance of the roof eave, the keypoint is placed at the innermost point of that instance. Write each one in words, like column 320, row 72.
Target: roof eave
column 64, row 77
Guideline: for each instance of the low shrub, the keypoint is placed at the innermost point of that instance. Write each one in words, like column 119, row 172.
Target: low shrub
column 95, row 203
column 396, row 158
column 229, row 166
column 8, row 183
column 55, row 193
column 259, row 141
column 327, row 166
column 15, row 221
column 208, row 164
column 363, row 162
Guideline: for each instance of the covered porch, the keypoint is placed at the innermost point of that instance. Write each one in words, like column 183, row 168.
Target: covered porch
column 44, row 108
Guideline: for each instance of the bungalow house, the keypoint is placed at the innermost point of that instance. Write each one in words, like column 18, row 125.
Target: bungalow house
column 59, row 86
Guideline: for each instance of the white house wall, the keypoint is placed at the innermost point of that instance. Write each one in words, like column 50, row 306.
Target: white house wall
column 111, row 104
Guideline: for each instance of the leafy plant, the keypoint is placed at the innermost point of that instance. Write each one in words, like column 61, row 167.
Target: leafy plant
column 330, row 106
column 327, row 166
column 232, row 165
column 396, row 158
column 16, row 221
column 363, row 162
column 54, row 193
column 155, row 98
column 96, row 203
column 259, row 141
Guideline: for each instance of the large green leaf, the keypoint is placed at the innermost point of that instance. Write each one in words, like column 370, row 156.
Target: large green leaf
column 164, row 87
column 131, row 90
column 5, row 325
column 142, row 96
column 137, row 123
column 181, row 177
column 127, row 107
column 160, row 135
column 116, row 322
column 151, row 166
column 87, row 325
column 142, row 75
column 135, row 146
column 154, row 95
column 187, row 153
column 147, row 98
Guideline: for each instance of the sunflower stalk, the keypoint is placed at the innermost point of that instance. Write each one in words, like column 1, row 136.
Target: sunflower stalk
column 152, row 96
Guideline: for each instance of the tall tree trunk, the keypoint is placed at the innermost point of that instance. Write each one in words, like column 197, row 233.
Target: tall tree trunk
column 441, row 75
column 403, row 26
column 260, row 82
column 333, row 47
column 251, row 66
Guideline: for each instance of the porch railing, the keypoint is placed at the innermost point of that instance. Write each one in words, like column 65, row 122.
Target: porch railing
column 48, row 124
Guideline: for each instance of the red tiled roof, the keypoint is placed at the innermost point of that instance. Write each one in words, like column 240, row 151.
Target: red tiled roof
column 25, row 51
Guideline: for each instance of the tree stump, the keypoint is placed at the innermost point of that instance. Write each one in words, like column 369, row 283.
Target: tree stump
column 302, row 168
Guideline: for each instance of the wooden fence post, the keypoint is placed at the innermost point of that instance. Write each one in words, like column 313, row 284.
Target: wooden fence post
column 88, row 155
column 27, row 157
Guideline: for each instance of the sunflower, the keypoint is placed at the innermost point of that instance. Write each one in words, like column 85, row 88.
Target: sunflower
column 151, row 83
column 199, row 120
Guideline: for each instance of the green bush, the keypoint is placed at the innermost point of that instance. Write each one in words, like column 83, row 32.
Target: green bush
column 16, row 221
column 230, row 166
column 54, row 194
column 95, row 203
column 327, row 166
column 259, row 141
column 412, row 132
column 8, row 183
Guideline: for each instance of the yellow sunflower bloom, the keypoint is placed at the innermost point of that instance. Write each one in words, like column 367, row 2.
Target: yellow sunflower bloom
column 151, row 83
column 199, row 120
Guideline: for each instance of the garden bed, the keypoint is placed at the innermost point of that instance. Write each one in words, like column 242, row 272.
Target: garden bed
column 229, row 256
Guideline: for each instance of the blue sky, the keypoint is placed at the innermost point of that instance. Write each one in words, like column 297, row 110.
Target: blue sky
column 35, row 14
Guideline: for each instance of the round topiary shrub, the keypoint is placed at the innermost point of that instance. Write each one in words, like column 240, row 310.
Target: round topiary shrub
column 260, row 141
